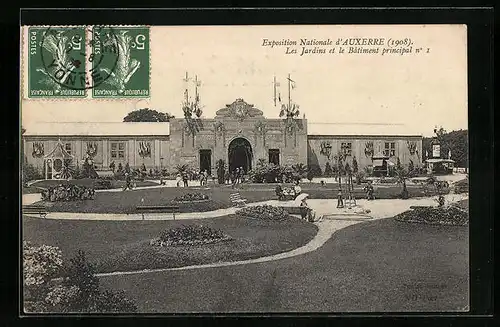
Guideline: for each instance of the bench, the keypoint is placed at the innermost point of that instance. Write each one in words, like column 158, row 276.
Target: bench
column 146, row 209
column 237, row 199
column 35, row 208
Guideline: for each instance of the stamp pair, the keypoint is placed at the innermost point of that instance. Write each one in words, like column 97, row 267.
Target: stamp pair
column 88, row 61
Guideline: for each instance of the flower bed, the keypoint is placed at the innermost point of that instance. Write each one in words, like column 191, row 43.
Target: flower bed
column 190, row 235
column 67, row 193
column 191, row 197
column 265, row 212
column 462, row 186
column 451, row 215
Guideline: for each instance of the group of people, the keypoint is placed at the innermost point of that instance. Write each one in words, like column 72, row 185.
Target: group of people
column 182, row 177
column 282, row 193
column 237, row 176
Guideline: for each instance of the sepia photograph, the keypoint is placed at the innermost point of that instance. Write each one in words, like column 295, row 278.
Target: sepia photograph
column 244, row 169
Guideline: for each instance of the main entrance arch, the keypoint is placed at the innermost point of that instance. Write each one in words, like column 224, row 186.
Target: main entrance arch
column 240, row 154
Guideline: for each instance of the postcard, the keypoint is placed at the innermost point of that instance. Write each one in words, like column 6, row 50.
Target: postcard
column 222, row 169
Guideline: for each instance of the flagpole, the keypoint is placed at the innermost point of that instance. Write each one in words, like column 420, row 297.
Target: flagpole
column 274, row 86
column 196, row 89
column 289, row 94
column 187, row 89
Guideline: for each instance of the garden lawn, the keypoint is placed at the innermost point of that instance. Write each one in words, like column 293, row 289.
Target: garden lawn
column 126, row 201
column 375, row 266
column 124, row 245
column 88, row 182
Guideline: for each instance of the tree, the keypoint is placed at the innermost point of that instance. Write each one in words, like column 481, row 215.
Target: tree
column 147, row 115
column 354, row 165
column 411, row 167
column 299, row 171
column 456, row 141
column 402, row 175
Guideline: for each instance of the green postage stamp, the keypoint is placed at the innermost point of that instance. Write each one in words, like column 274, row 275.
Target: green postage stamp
column 57, row 62
column 127, row 77
column 89, row 61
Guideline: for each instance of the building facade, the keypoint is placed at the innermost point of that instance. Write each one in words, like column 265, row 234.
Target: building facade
column 239, row 135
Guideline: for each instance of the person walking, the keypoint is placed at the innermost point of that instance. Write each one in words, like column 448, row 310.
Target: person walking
column 238, row 176
column 242, row 175
column 205, row 177
column 128, row 182
column 185, row 179
column 201, row 177
column 234, row 179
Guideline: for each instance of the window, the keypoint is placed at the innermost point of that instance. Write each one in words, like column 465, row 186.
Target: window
column 346, row 148
column 390, row 149
column 118, row 150
column 67, row 147
column 274, row 156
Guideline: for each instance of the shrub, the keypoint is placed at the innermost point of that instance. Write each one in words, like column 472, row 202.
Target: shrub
column 78, row 291
column 79, row 277
column 190, row 235
column 103, row 184
column 30, row 173
column 68, row 192
column 265, row 172
column 188, row 197
column 88, row 170
column 40, row 265
column 462, row 186
column 310, row 175
column 298, row 172
column 265, row 212
column 328, row 170
column 315, row 170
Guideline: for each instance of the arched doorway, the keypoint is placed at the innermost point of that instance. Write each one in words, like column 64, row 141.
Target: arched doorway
column 240, row 154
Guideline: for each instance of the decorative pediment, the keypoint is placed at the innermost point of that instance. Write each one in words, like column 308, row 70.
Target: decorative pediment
column 59, row 152
column 240, row 110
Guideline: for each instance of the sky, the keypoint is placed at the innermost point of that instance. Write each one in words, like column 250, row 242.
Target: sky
column 417, row 90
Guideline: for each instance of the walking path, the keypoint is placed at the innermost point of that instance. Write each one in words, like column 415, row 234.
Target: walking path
column 326, row 228
column 378, row 208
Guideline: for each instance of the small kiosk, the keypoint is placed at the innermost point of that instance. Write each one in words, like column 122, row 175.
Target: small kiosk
column 380, row 165
column 56, row 162
column 437, row 165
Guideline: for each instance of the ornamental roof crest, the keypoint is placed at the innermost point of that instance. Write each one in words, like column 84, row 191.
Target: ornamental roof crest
column 240, row 110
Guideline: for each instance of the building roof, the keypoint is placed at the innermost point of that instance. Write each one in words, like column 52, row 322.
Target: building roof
column 434, row 160
column 156, row 129
column 97, row 129
column 358, row 129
